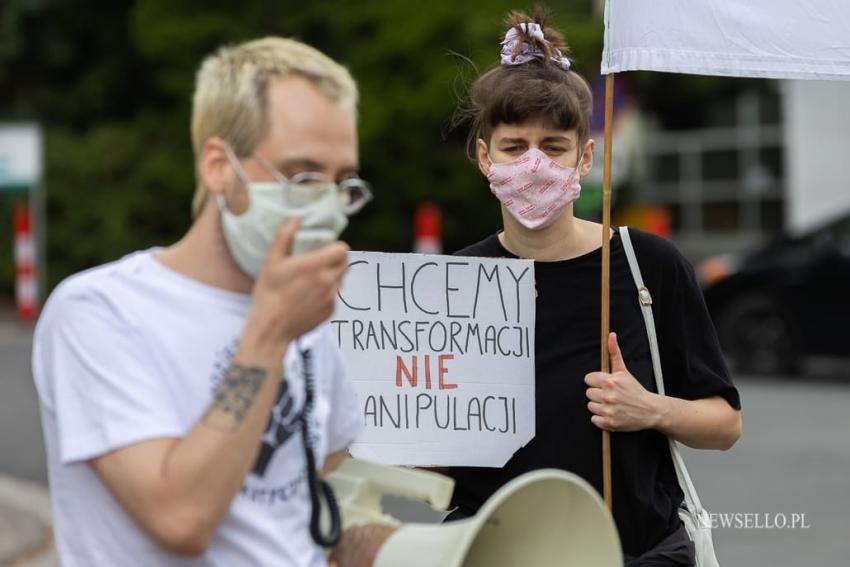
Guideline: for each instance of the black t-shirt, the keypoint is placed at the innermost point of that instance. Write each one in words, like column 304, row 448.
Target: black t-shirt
column 645, row 493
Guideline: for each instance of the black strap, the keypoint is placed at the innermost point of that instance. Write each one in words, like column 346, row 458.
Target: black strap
column 319, row 488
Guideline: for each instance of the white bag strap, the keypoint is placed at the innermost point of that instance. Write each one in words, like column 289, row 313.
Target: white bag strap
column 645, row 298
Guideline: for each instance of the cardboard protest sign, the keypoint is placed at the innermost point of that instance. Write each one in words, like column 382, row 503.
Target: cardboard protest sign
column 441, row 352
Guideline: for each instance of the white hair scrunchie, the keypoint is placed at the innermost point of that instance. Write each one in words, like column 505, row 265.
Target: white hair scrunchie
column 528, row 52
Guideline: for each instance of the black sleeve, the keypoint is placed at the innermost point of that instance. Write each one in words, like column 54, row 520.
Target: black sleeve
column 691, row 359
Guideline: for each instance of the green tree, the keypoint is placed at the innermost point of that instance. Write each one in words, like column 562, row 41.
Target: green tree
column 111, row 83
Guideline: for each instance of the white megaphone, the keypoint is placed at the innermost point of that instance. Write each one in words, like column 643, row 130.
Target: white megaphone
column 540, row 519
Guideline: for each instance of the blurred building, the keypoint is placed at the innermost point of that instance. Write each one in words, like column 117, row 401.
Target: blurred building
column 723, row 185
column 771, row 166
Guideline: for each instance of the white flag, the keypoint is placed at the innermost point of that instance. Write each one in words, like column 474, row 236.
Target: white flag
column 778, row 39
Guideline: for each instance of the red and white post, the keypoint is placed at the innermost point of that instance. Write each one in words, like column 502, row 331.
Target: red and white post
column 427, row 223
column 26, row 286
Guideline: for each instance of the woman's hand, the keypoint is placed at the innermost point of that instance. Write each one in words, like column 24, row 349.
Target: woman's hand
column 618, row 402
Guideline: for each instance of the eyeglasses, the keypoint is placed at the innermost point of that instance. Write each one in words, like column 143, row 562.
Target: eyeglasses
column 307, row 187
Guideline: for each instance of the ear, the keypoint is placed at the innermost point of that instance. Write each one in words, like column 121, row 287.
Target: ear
column 587, row 157
column 483, row 154
column 214, row 169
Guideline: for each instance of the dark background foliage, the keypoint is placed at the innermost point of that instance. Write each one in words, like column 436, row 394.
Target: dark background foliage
column 111, row 82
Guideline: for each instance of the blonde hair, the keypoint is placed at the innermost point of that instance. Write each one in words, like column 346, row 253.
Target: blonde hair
column 230, row 92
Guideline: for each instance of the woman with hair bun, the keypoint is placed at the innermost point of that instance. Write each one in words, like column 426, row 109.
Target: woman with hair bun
column 530, row 119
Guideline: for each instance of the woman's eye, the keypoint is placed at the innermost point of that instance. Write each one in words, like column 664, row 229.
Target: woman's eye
column 554, row 150
column 512, row 149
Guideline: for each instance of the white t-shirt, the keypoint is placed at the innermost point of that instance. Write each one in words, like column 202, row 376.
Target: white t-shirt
column 131, row 351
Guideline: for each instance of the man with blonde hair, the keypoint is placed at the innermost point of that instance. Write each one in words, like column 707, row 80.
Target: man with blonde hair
column 188, row 394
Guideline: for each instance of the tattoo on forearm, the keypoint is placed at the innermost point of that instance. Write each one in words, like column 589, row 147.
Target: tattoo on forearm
column 234, row 397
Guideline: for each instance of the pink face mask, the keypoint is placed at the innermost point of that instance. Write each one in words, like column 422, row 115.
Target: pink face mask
column 534, row 188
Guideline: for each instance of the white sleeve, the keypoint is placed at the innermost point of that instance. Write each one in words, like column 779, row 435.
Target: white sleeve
column 345, row 421
column 96, row 378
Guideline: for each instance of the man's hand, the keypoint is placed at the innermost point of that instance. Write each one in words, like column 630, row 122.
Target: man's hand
column 617, row 400
column 359, row 545
column 293, row 294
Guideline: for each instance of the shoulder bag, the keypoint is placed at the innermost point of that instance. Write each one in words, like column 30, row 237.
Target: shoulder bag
column 696, row 518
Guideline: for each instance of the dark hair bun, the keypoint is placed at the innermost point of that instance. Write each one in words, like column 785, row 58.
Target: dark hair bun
column 537, row 89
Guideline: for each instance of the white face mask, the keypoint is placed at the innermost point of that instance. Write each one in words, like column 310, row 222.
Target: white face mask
column 249, row 236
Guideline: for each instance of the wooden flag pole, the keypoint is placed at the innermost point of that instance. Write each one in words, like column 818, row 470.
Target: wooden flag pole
column 606, row 273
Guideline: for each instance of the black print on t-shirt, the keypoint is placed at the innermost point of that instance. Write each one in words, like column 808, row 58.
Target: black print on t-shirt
column 285, row 418
column 283, row 422
column 273, row 495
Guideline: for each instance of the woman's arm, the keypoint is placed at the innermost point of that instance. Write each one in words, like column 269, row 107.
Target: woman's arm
column 710, row 423
column 618, row 402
